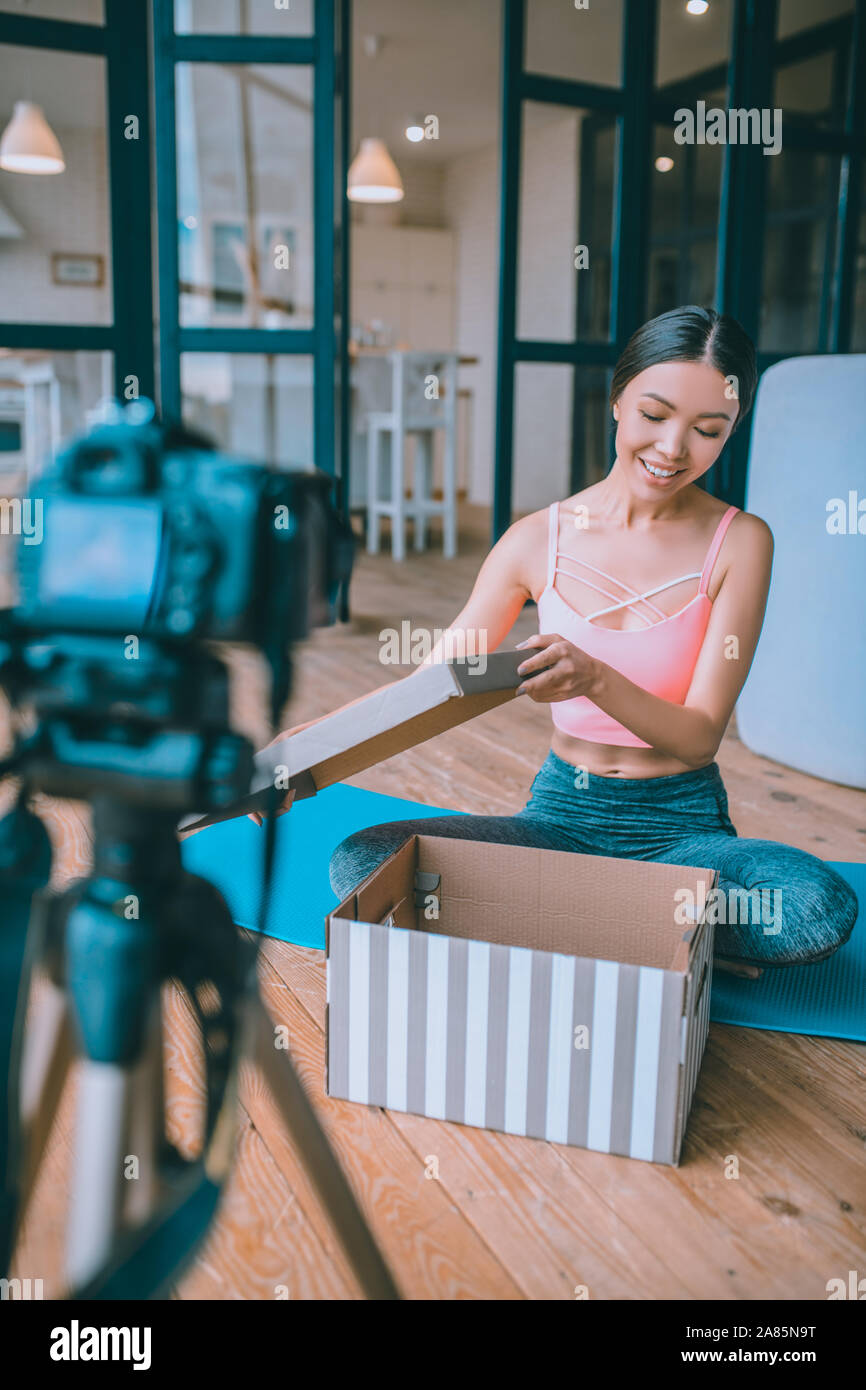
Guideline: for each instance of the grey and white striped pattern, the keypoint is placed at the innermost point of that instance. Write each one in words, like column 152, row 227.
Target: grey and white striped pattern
column 485, row 1035
column 696, row 1022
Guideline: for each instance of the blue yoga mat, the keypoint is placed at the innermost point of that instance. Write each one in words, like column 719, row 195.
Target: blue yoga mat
column 823, row 1000
column 827, row 1000
column 231, row 855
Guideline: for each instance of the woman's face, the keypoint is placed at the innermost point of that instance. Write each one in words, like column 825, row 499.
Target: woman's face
column 672, row 422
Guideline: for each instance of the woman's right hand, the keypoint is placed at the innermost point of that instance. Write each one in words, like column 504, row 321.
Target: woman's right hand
column 255, row 816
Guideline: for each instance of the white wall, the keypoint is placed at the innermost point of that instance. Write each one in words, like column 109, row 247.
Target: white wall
column 542, row 402
column 471, row 200
column 422, row 203
column 58, row 212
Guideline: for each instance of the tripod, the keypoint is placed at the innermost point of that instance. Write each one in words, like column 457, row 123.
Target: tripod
column 106, row 946
column 155, row 549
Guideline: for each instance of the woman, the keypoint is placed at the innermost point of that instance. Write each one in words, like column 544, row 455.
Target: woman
column 651, row 596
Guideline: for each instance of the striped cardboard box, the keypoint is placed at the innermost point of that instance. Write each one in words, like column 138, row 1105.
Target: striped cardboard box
column 598, row 1053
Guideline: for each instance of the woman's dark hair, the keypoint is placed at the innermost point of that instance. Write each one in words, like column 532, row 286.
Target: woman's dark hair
column 692, row 334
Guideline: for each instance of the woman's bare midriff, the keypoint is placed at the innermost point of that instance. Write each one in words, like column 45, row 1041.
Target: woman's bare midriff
column 608, row 760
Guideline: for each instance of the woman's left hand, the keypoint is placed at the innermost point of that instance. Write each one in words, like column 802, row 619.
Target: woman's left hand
column 565, row 670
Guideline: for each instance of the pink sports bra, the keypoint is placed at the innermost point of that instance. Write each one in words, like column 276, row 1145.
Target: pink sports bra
column 662, row 662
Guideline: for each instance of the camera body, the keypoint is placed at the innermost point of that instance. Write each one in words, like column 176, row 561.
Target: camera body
column 146, row 531
column 153, row 547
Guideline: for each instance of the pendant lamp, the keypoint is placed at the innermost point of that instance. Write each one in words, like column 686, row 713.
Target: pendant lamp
column 373, row 175
column 28, row 144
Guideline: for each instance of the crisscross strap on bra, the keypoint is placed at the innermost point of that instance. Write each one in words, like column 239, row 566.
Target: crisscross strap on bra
column 704, row 575
column 620, row 603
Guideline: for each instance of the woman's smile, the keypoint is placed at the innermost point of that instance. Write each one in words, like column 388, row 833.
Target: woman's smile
column 660, row 473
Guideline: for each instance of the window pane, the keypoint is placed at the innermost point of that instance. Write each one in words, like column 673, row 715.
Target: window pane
column 54, row 228
column 804, row 91
column 76, row 11
column 254, row 406
column 542, row 433
column 582, row 44
column 684, row 220
column 46, row 398
column 797, row 15
column 593, row 425
column 595, row 225
column 688, row 44
column 244, row 175
column 544, row 415
column 802, row 193
column 286, row 17
column 702, row 272
column 814, row 90
column 566, row 213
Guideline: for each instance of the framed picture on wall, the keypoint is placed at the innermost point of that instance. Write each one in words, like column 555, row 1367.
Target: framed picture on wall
column 77, row 268
column 278, row 251
column 235, row 287
column 229, row 270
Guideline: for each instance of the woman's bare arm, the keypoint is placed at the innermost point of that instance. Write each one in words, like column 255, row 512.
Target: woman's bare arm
column 497, row 599
column 491, row 610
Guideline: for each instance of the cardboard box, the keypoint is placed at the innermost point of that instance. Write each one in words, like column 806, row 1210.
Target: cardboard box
column 531, row 991
column 423, row 704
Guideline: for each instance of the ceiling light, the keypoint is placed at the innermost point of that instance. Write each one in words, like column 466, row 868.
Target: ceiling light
column 415, row 130
column 697, row 6
column 373, row 175
column 664, row 164
column 29, row 145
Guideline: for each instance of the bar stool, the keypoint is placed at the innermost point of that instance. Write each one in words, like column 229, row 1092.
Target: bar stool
column 423, row 399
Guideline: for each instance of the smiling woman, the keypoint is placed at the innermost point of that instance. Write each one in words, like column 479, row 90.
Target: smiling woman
column 642, row 688
column 627, row 701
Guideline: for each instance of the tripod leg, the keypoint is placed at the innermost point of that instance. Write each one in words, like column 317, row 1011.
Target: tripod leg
column 318, row 1158
column 100, row 1147
column 44, row 1047
column 25, row 868
column 141, row 1187
column 111, row 954
column 45, row 1059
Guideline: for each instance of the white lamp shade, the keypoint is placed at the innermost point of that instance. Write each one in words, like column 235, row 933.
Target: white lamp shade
column 373, row 175
column 29, row 145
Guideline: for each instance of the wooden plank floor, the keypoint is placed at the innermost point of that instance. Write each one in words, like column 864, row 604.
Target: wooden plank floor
column 506, row 1217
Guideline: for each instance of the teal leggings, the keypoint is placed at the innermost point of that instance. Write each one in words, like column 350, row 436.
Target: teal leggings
column 774, row 905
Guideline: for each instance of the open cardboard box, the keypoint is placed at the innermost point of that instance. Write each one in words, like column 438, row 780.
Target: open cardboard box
column 531, row 991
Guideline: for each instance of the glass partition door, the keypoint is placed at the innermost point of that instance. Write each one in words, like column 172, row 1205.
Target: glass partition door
column 76, row 305
column 251, row 209
column 576, row 87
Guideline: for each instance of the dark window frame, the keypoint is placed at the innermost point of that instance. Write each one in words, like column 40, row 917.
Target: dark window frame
column 748, row 79
column 123, row 42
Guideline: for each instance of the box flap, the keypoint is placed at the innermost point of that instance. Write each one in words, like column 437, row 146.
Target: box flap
column 388, row 886
column 421, row 705
column 555, row 900
column 690, row 940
